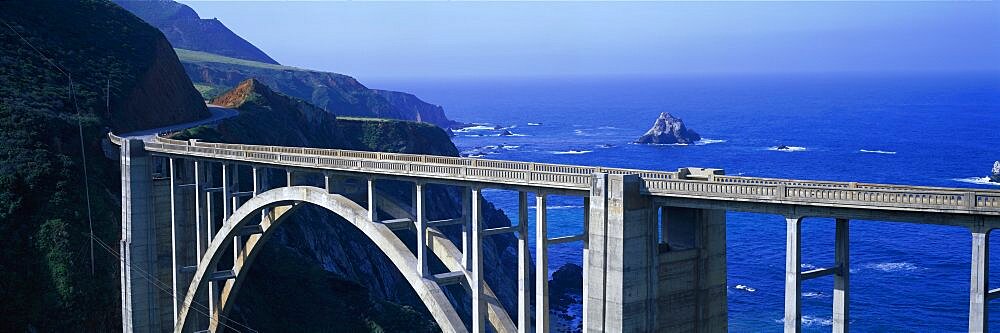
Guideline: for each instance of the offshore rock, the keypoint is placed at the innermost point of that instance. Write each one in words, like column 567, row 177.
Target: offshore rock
column 995, row 175
column 668, row 130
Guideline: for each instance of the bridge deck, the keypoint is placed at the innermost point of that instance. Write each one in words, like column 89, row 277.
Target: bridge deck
column 577, row 179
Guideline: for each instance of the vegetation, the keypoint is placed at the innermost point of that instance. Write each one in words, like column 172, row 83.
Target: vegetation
column 199, row 57
column 46, row 283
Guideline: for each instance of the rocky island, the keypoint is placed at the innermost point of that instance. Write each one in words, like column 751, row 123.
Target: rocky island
column 995, row 175
column 668, row 130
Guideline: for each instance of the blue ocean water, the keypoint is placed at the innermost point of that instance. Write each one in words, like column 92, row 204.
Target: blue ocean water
column 922, row 129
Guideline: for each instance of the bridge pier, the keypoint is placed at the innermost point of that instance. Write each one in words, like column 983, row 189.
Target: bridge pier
column 523, row 266
column 138, row 240
column 541, row 265
column 794, row 276
column 979, row 289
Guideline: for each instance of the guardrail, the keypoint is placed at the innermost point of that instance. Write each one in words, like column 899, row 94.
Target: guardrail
column 573, row 177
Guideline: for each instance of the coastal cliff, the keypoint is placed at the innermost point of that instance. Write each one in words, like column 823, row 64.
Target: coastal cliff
column 49, row 283
column 185, row 29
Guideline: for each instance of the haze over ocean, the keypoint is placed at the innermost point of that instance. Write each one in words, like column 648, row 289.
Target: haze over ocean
column 893, row 92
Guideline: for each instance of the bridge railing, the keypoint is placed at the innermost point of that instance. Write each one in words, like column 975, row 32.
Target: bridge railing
column 574, row 177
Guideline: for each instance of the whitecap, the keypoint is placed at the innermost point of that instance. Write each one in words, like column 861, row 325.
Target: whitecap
column 885, row 152
column 703, row 142
column 475, row 155
column 893, row 266
column 807, row 266
column 560, row 207
column 787, row 148
column 813, row 294
column 477, row 127
column 572, row 152
column 509, row 147
column 977, row 180
column 745, row 287
column 810, row 321
column 534, row 124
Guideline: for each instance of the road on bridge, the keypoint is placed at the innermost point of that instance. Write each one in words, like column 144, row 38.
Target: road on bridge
column 218, row 114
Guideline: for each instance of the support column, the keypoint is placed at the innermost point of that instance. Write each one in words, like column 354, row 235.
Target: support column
column 421, row 224
column 137, row 248
column 979, row 286
column 175, row 236
column 793, row 276
column 523, row 266
column 213, row 298
column 586, row 255
column 842, row 279
column 289, row 178
column 541, row 266
column 621, row 288
column 479, row 322
column 328, row 182
column 199, row 210
column 466, row 229
column 372, row 208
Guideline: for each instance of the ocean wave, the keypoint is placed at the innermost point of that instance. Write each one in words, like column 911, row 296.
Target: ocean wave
column 745, row 288
column 509, row 147
column 787, row 148
column 976, row 180
column 893, row 266
column 703, row 142
column 534, row 124
column 814, row 294
column 559, row 207
column 885, row 152
column 807, row 266
column 572, row 152
column 478, row 127
column 811, row 321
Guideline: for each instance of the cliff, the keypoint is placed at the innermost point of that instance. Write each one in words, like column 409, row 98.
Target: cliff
column 668, row 129
column 336, row 93
column 413, row 108
column 357, row 284
column 185, row 29
column 45, row 261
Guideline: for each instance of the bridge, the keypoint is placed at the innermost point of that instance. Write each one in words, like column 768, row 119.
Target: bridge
column 654, row 242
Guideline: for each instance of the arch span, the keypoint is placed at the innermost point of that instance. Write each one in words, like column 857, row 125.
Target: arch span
column 284, row 199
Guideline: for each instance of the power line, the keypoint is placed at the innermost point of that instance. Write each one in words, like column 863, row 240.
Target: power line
column 163, row 286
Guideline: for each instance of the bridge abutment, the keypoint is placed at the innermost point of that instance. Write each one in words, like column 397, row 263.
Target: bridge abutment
column 140, row 298
column 691, row 275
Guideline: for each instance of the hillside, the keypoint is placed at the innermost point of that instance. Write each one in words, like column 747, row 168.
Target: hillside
column 45, row 262
column 185, row 29
column 336, row 93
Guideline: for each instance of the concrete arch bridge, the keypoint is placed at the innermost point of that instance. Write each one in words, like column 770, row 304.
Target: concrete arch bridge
column 654, row 245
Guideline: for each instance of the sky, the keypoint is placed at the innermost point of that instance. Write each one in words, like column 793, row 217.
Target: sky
column 593, row 39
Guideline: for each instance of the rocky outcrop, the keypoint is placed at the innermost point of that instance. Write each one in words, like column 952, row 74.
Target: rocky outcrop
column 566, row 299
column 668, row 130
column 995, row 174
column 185, row 29
column 413, row 108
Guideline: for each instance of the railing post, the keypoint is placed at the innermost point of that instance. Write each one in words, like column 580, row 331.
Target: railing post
column 541, row 266
column 793, row 276
column 979, row 285
column 842, row 279
column 476, row 285
column 523, row 266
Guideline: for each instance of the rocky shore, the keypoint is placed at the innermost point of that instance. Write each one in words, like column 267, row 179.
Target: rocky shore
column 668, row 130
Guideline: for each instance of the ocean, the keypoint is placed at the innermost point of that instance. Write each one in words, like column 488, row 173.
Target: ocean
column 919, row 129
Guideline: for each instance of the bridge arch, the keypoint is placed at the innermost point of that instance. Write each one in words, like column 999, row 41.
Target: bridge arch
column 284, row 200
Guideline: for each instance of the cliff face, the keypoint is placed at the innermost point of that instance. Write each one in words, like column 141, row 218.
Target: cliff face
column 336, row 93
column 314, row 237
column 413, row 108
column 185, row 29
column 45, row 261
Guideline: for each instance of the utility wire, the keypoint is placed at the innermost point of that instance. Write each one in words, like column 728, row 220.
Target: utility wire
column 83, row 150
column 163, row 286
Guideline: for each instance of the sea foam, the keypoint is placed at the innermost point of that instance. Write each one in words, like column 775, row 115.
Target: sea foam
column 885, row 152
column 977, row 180
column 572, row 152
column 789, row 149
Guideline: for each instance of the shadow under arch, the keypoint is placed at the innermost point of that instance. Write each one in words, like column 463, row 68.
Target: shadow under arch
column 284, row 200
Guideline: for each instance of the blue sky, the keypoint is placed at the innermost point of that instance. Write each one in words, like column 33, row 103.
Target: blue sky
column 524, row 39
